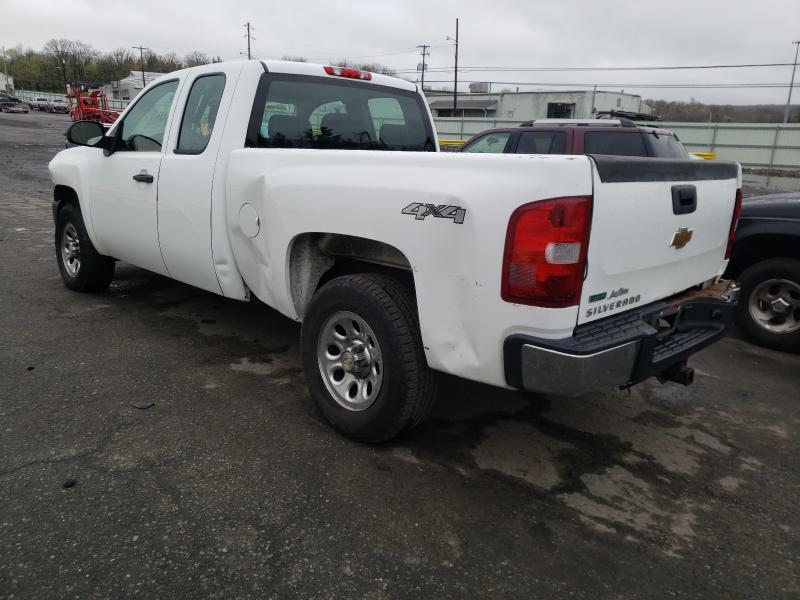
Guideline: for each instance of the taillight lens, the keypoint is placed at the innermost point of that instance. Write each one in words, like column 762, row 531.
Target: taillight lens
column 545, row 254
column 348, row 72
column 737, row 211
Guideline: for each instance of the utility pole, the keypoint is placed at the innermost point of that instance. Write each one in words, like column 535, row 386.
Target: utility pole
column 141, row 50
column 248, row 36
column 424, row 54
column 791, row 83
column 455, row 76
column 5, row 70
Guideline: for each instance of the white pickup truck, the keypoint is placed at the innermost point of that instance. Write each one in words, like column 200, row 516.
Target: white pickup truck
column 320, row 191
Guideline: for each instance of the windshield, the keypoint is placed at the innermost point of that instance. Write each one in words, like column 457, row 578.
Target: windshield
column 329, row 113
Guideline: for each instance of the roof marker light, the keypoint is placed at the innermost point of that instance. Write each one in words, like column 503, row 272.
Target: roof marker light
column 348, row 72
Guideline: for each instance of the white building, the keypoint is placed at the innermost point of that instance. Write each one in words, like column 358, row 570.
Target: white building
column 128, row 87
column 524, row 106
column 6, row 82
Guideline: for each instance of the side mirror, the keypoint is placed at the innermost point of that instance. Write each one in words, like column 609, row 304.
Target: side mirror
column 86, row 133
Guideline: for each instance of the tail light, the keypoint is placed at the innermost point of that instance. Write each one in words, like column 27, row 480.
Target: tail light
column 737, row 211
column 545, row 255
column 348, row 72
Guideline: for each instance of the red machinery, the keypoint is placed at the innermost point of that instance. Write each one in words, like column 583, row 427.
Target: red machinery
column 92, row 106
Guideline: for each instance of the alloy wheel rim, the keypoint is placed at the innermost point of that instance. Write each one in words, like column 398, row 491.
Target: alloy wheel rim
column 71, row 250
column 350, row 361
column 775, row 305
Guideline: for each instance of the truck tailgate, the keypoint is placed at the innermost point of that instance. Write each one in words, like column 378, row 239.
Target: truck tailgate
column 659, row 226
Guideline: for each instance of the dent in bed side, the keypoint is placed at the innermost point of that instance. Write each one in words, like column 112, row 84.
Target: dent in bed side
column 456, row 269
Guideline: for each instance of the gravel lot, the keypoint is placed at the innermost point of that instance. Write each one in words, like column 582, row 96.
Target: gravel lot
column 231, row 485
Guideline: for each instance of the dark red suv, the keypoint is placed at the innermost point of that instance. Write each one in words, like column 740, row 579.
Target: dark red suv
column 592, row 136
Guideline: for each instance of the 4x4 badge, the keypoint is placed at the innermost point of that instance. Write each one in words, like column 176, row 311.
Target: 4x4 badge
column 681, row 237
column 442, row 211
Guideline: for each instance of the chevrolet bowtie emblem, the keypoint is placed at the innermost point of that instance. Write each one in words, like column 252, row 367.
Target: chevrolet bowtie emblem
column 681, row 237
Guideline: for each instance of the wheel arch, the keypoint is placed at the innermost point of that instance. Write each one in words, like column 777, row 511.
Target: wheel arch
column 313, row 258
column 63, row 194
column 755, row 248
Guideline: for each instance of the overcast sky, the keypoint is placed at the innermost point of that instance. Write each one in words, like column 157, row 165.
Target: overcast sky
column 496, row 33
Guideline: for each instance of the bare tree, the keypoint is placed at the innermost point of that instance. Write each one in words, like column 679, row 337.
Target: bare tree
column 121, row 61
column 61, row 52
column 171, row 62
column 294, row 58
column 196, row 58
column 83, row 55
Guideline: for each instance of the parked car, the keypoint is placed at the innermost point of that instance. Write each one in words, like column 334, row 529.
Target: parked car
column 11, row 107
column 58, row 106
column 568, row 275
column 8, row 98
column 39, row 104
column 766, row 260
column 620, row 137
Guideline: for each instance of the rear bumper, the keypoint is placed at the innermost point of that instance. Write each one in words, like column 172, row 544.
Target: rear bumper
column 625, row 349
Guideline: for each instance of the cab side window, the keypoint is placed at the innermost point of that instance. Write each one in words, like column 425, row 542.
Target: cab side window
column 144, row 126
column 493, row 143
column 200, row 114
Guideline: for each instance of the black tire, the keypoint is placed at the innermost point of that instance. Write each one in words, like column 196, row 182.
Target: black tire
column 408, row 388
column 773, row 269
column 94, row 271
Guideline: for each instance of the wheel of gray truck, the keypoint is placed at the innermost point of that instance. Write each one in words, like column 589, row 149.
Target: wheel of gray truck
column 82, row 268
column 769, row 306
column 363, row 357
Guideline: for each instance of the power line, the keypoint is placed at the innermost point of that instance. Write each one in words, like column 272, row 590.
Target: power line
column 409, row 51
column 651, row 68
column 630, row 85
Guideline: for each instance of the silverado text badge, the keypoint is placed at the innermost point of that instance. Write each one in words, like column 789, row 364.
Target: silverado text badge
column 610, row 306
column 420, row 211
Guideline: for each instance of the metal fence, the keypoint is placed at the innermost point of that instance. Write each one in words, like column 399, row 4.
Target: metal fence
column 32, row 95
column 751, row 144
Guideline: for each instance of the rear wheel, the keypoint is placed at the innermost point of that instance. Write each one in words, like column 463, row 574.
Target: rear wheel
column 769, row 308
column 363, row 357
column 82, row 268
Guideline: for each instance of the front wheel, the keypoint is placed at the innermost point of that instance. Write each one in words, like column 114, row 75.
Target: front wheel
column 82, row 268
column 363, row 357
column 769, row 307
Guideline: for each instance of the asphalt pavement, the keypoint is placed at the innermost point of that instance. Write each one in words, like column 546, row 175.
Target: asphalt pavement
column 230, row 485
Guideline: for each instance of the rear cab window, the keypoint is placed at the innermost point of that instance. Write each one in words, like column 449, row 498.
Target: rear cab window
column 200, row 113
column 301, row 111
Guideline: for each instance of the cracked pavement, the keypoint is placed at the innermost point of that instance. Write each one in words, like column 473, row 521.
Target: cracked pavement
column 232, row 486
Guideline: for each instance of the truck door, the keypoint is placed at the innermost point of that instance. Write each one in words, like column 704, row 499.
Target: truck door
column 185, row 187
column 123, row 186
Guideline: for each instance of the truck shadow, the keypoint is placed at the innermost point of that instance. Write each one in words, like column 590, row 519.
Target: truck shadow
column 636, row 463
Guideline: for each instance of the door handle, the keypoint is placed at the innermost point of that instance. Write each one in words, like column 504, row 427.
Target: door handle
column 684, row 199
column 143, row 177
